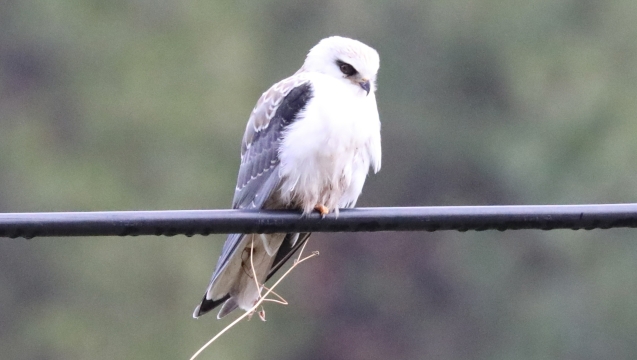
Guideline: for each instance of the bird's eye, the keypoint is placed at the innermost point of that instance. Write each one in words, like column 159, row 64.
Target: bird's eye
column 346, row 68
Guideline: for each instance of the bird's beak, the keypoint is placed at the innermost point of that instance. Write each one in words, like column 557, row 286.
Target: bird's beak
column 364, row 83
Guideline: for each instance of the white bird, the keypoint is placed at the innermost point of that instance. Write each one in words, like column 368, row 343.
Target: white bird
column 308, row 145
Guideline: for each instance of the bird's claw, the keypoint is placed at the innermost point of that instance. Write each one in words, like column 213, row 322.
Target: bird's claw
column 322, row 209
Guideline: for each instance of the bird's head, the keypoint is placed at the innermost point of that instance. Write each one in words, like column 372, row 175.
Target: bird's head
column 346, row 59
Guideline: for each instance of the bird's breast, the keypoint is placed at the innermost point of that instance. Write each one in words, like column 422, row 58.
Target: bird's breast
column 325, row 151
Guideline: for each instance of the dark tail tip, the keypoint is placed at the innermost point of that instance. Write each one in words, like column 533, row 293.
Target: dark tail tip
column 207, row 305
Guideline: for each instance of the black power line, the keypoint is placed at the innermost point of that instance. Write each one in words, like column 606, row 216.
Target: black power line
column 204, row 222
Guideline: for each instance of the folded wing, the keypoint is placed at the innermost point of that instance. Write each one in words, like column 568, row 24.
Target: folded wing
column 257, row 182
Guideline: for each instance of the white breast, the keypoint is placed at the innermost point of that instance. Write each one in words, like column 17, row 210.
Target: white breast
column 326, row 153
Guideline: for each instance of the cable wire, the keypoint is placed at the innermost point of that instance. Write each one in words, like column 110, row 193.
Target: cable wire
column 205, row 222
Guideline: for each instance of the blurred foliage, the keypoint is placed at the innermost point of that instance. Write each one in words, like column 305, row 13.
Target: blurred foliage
column 136, row 104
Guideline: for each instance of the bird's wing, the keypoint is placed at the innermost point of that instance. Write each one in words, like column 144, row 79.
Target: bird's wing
column 276, row 109
column 258, row 175
column 290, row 245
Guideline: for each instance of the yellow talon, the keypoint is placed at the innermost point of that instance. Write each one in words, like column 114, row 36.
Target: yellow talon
column 322, row 209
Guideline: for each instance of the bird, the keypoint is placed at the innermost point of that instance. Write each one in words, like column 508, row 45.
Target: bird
column 309, row 144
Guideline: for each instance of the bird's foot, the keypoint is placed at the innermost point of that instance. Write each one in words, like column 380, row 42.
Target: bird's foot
column 322, row 209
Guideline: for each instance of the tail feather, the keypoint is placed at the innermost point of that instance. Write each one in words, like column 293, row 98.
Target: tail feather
column 227, row 307
column 235, row 280
column 207, row 305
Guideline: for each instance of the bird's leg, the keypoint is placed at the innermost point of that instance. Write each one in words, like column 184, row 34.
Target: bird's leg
column 322, row 209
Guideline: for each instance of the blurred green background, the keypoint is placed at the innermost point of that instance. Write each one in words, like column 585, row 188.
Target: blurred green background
column 137, row 104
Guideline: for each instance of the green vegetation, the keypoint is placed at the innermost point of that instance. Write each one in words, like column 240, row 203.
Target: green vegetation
column 131, row 105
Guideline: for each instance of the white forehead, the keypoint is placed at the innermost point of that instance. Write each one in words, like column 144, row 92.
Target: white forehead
column 364, row 58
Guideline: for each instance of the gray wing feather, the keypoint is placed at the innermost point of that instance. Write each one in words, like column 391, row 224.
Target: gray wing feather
column 258, row 177
column 260, row 146
column 255, row 184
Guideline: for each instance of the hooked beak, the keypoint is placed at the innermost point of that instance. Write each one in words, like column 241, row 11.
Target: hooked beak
column 365, row 85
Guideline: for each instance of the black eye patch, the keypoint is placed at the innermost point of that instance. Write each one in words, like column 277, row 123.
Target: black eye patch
column 346, row 68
